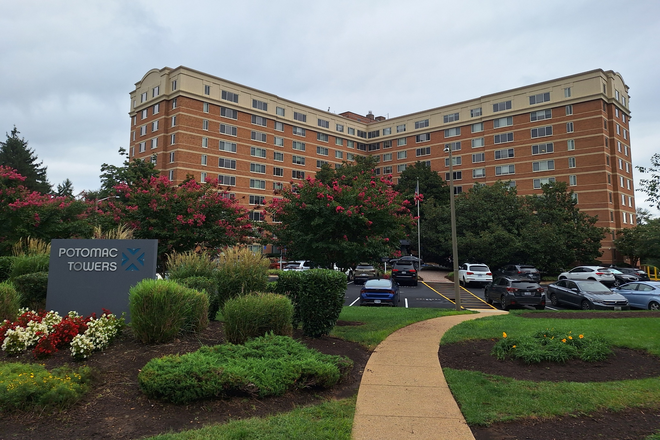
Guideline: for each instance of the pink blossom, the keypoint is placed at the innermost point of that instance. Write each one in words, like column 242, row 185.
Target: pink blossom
column 339, row 209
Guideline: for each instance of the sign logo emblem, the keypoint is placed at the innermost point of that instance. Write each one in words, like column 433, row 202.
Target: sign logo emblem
column 133, row 259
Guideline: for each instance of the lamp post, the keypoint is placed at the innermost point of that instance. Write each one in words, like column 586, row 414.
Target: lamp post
column 454, row 244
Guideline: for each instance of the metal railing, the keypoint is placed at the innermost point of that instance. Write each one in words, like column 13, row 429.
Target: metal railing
column 652, row 272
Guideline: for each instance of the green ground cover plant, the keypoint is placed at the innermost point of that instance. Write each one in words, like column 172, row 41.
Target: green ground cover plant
column 27, row 386
column 265, row 366
column 485, row 399
column 257, row 314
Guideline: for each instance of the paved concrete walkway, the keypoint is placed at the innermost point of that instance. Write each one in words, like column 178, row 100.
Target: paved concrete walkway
column 403, row 393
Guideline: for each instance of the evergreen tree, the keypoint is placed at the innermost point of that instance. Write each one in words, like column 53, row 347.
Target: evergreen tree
column 65, row 189
column 14, row 153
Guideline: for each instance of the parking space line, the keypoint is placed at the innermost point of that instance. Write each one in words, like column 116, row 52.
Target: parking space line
column 406, row 299
column 424, row 282
column 356, row 300
column 490, row 305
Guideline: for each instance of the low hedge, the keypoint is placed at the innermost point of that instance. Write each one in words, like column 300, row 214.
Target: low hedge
column 5, row 268
column 32, row 287
column 254, row 315
column 266, row 366
column 10, row 301
column 26, row 264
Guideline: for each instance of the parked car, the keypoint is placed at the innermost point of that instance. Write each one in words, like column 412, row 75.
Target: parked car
column 474, row 273
column 404, row 271
column 511, row 291
column 587, row 295
column 641, row 294
column 380, row 291
column 639, row 273
column 594, row 273
column 363, row 272
column 522, row 271
column 622, row 278
column 298, row 265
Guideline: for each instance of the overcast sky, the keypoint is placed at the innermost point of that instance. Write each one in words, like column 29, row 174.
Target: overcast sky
column 67, row 67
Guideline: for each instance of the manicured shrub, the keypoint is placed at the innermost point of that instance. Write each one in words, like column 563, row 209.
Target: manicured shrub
column 317, row 296
column 5, row 268
column 266, row 366
column 241, row 272
column 182, row 265
column 32, row 287
column 250, row 316
column 26, row 386
column 204, row 284
column 10, row 301
column 26, row 264
column 162, row 309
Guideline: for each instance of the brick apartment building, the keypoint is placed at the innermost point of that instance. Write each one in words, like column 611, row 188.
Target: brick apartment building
column 573, row 129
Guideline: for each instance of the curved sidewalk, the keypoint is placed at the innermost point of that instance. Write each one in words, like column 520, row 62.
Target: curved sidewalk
column 403, row 393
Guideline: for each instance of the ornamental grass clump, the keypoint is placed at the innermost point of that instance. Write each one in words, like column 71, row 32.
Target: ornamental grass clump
column 162, row 309
column 207, row 285
column 551, row 345
column 266, row 366
column 240, row 272
column 181, row 265
column 257, row 314
column 26, row 386
column 10, row 301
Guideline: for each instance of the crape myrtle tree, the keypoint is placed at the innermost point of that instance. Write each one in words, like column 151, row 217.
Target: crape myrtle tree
column 15, row 154
column 26, row 213
column 350, row 216
column 182, row 217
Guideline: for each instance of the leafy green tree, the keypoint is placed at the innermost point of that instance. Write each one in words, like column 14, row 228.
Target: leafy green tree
column 651, row 186
column 356, row 217
column 431, row 185
column 131, row 172
column 629, row 243
column 65, row 189
column 643, row 216
column 14, row 153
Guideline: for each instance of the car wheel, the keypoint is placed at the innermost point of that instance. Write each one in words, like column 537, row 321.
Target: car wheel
column 540, row 307
column 617, row 283
column 562, row 278
column 415, row 283
column 654, row 306
column 503, row 304
column 586, row 305
column 554, row 300
column 488, row 300
column 461, row 282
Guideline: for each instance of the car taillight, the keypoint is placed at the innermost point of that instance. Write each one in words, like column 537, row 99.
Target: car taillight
column 540, row 289
column 412, row 270
column 519, row 272
column 489, row 273
column 395, row 270
column 600, row 273
column 511, row 289
column 469, row 273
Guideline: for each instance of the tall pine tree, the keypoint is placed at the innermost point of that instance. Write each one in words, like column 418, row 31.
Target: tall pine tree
column 15, row 154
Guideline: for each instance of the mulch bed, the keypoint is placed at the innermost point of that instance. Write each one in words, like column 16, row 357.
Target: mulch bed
column 633, row 424
column 116, row 409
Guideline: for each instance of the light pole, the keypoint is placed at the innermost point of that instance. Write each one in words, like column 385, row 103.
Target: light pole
column 454, row 244
column 419, row 226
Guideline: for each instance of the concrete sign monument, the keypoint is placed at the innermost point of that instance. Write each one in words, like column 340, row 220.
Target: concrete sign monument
column 89, row 275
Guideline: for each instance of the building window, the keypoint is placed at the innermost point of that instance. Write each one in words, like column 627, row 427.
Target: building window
column 320, row 163
column 504, row 154
column 322, row 137
column 323, row 123
column 540, row 115
column 298, row 160
column 451, row 132
column 625, row 149
column 542, row 181
column 156, row 108
column 569, row 110
column 339, row 141
column 351, row 131
column 544, row 165
column 228, row 113
column 205, row 124
column 257, row 200
column 477, row 143
column 205, row 142
column 174, row 85
column 170, row 175
column 362, row 134
column 456, row 160
column 423, row 151
column 475, row 112
column 572, row 180
column 501, row 106
column 300, row 146
column 279, row 111
column 226, row 163
column 374, row 147
column 387, row 131
column 458, row 175
column 479, row 126
column 298, row 174
column 299, row 131
column 257, row 168
column 541, row 132
column 478, row 172
column 278, row 157
column 279, row 126
column 504, row 170
column 387, row 157
column 627, row 168
column 154, row 126
column 373, row 134
column 228, row 129
column 204, row 159
column 339, row 154
column 538, row 99
column 257, row 152
column 205, row 107
column 226, row 180
column 202, row 177
column 620, row 164
column 625, row 133
column 628, row 183
column 543, row 148
column 300, row 117
column 630, row 203
column 259, row 105
column 425, row 137
column 259, row 120
column 323, row 151
column 229, row 147
column 278, row 186
column 173, row 139
column 154, row 143
column 402, row 155
column 401, row 168
column 478, row 157
column 350, row 156
column 503, row 138
column 450, row 118
column 257, row 184
column 567, row 92
column 455, row 146
column 401, row 128
column 207, row 90
column 570, row 144
column 571, row 162
column 279, row 172
column 174, row 103
column 458, row 190
column 142, row 147
column 339, row 128
column 502, row 122
column 401, row 142
column 278, row 141
column 229, row 96
column 258, row 136
column 569, row 127
column 143, row 97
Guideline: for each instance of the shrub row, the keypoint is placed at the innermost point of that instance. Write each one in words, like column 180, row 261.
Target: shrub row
column 255, row 315
column 265, row 366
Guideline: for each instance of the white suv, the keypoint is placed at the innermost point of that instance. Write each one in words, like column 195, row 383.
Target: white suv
column 474, row 273
column 595, row 273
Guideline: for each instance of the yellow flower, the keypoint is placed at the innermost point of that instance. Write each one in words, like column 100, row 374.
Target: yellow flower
column 581, row 336
column 514, row 346
column 504, row 334
column 570, row 337
column 563, row 340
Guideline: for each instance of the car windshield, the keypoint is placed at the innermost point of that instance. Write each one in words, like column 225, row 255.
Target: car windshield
column 592, row 286
column 478, row 268
column 523, row 282
column 378, row 283
column 527, row 267
column 361, row 267
column 618, row 272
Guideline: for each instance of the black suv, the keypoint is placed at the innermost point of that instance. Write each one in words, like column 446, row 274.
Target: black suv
column 522, row 271
column 404, row 271
column 511, row 291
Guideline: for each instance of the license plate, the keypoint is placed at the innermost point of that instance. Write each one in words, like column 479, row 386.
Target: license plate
column 617, row 308
column 377, row 301
column 528, row 293
column 403, row 272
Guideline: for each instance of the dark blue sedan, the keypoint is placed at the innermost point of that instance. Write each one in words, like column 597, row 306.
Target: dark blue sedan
column 641, row 294
column 380, row 291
